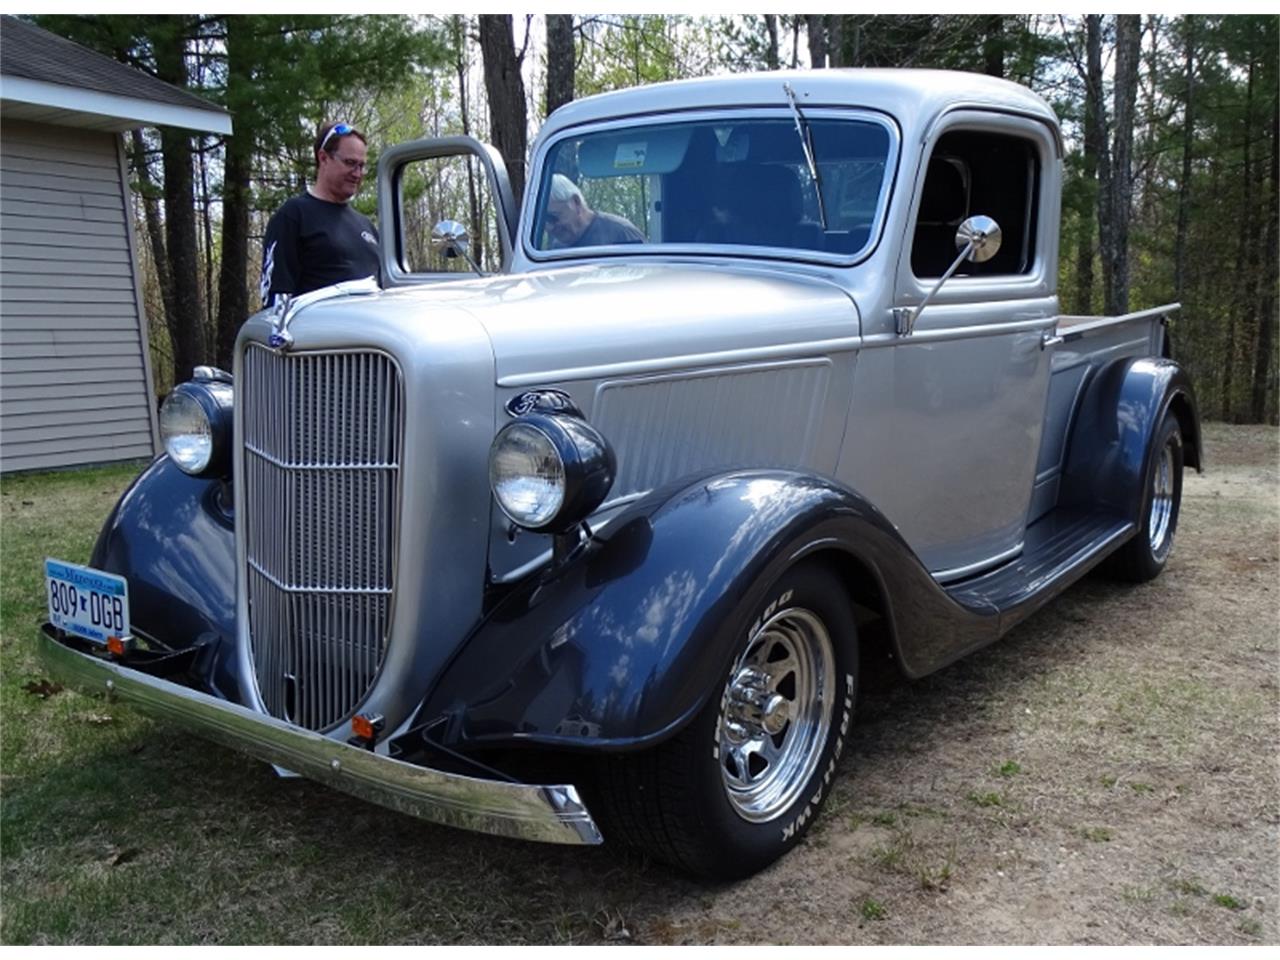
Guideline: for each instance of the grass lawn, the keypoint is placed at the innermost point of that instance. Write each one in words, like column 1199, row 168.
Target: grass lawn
column 1105, row 774
column 58, row 748
column 115, row 829
column 44, row 515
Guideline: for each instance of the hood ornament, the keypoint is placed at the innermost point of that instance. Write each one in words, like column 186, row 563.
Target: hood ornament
column 287, row 307
column 281, row 338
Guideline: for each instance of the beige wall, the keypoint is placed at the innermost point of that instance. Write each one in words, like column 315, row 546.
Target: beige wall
column 74, row 377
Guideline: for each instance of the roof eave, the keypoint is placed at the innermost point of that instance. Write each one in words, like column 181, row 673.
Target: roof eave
column 130, row 112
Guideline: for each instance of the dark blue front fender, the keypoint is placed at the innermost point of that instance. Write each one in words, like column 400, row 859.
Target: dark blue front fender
column 171, row 536
column 624, row 645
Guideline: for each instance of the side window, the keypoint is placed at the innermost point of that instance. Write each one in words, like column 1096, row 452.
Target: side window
column 972, row 172
column 447, row 188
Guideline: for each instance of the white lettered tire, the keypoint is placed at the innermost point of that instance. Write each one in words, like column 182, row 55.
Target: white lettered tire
column 740, row 786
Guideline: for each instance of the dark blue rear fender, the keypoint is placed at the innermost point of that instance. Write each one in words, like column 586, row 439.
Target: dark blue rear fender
column 171, row 537
column 1111, row 437
column 624, row 645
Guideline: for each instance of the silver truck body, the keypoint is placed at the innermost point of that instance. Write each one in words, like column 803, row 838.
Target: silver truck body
column 965, row 397
column 968, row 450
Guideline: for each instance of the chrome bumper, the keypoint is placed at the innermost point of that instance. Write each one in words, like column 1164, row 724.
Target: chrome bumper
column 553, row 814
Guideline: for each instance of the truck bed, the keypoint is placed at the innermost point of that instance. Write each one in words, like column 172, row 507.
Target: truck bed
column 1079, row 325
column 1087, row 343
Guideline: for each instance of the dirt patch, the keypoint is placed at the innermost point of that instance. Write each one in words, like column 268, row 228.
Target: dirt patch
column 1107, row 773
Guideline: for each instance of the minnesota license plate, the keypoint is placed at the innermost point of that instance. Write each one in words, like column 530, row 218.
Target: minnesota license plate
column 88, row 603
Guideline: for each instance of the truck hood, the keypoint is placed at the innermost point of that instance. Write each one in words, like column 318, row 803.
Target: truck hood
column 557, row 324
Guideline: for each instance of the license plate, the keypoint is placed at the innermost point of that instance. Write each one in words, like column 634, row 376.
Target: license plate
column 88, row 603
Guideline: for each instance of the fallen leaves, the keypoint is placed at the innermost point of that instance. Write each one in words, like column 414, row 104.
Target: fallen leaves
column 612, row 925
column 44, row 689
column 114, row 856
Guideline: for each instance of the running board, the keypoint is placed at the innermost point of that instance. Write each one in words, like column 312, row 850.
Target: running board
column 1060, row 548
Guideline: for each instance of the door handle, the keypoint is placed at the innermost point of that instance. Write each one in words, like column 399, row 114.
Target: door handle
column 1048, row 340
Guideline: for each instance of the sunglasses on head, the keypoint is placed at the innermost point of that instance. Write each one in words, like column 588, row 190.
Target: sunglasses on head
column 337, row 130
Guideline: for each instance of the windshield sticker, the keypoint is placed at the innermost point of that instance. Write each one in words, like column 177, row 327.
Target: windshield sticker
column 630, row 156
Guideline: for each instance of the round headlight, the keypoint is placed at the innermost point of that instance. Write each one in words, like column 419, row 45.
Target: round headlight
column 186, row 431
column 526, row 473
column 549, row 471
column 195, row 426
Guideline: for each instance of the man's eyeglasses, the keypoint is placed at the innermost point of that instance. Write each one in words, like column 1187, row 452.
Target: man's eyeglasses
column 353, row 164
column 550, row 218
column 337, row 130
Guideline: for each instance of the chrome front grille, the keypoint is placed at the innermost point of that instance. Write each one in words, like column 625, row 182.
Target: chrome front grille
column 323, row 434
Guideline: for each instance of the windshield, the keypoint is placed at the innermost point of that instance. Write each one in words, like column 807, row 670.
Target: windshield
column 730, row 183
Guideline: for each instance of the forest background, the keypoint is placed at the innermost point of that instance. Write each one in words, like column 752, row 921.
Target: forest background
column 1172, row 125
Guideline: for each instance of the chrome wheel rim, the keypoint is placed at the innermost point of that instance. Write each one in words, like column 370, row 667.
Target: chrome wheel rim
column 776, row 714
column 1161, row 501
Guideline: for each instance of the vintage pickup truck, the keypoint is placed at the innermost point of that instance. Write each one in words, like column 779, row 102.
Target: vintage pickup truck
column 580, row 550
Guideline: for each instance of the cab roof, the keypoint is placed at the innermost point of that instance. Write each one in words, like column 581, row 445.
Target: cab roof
column 913, row 97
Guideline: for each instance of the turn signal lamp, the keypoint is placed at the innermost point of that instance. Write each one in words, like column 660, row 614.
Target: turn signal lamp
column 366, row 728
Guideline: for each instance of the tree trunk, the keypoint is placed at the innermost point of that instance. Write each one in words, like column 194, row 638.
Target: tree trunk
column 205, row 223
column 1097, row 114
column 233, row 294
column 1087, row 213
column 560, row 60
column 816, row 29
column 771, row 50
column 180, row 241
column 155, row 230
column 1128, row 50
column 1252, row 267
column 1206, row 357
column 993, row 46
column 1188, row 145
column 1150, row 151
column 1267, row 317
column 458, row 26
column 835, row 40
column 508, row 119
column 1242, row 304
column 179, row 208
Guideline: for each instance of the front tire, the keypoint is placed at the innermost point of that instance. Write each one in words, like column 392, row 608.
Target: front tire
column 740, row 786
column 1144, row 556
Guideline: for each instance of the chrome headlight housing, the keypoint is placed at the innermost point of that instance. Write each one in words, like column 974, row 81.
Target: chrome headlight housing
column 195, row 426
column 548, row 472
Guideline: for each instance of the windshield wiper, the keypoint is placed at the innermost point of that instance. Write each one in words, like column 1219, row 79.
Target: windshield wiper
column 806, row 141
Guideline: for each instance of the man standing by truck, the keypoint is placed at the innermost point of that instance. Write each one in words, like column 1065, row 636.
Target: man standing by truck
column 316, row 238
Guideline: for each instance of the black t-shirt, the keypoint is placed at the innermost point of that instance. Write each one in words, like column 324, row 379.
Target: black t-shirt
column 311, row 243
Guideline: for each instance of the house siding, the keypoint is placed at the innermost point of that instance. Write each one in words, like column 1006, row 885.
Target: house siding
column 75, row 382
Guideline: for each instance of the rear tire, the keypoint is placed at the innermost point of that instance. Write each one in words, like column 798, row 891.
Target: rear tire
column 1144, row 556
column 742, row 783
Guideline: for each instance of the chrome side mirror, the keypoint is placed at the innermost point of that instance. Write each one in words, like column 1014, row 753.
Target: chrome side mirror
column 451, row 237
column 978, row 240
